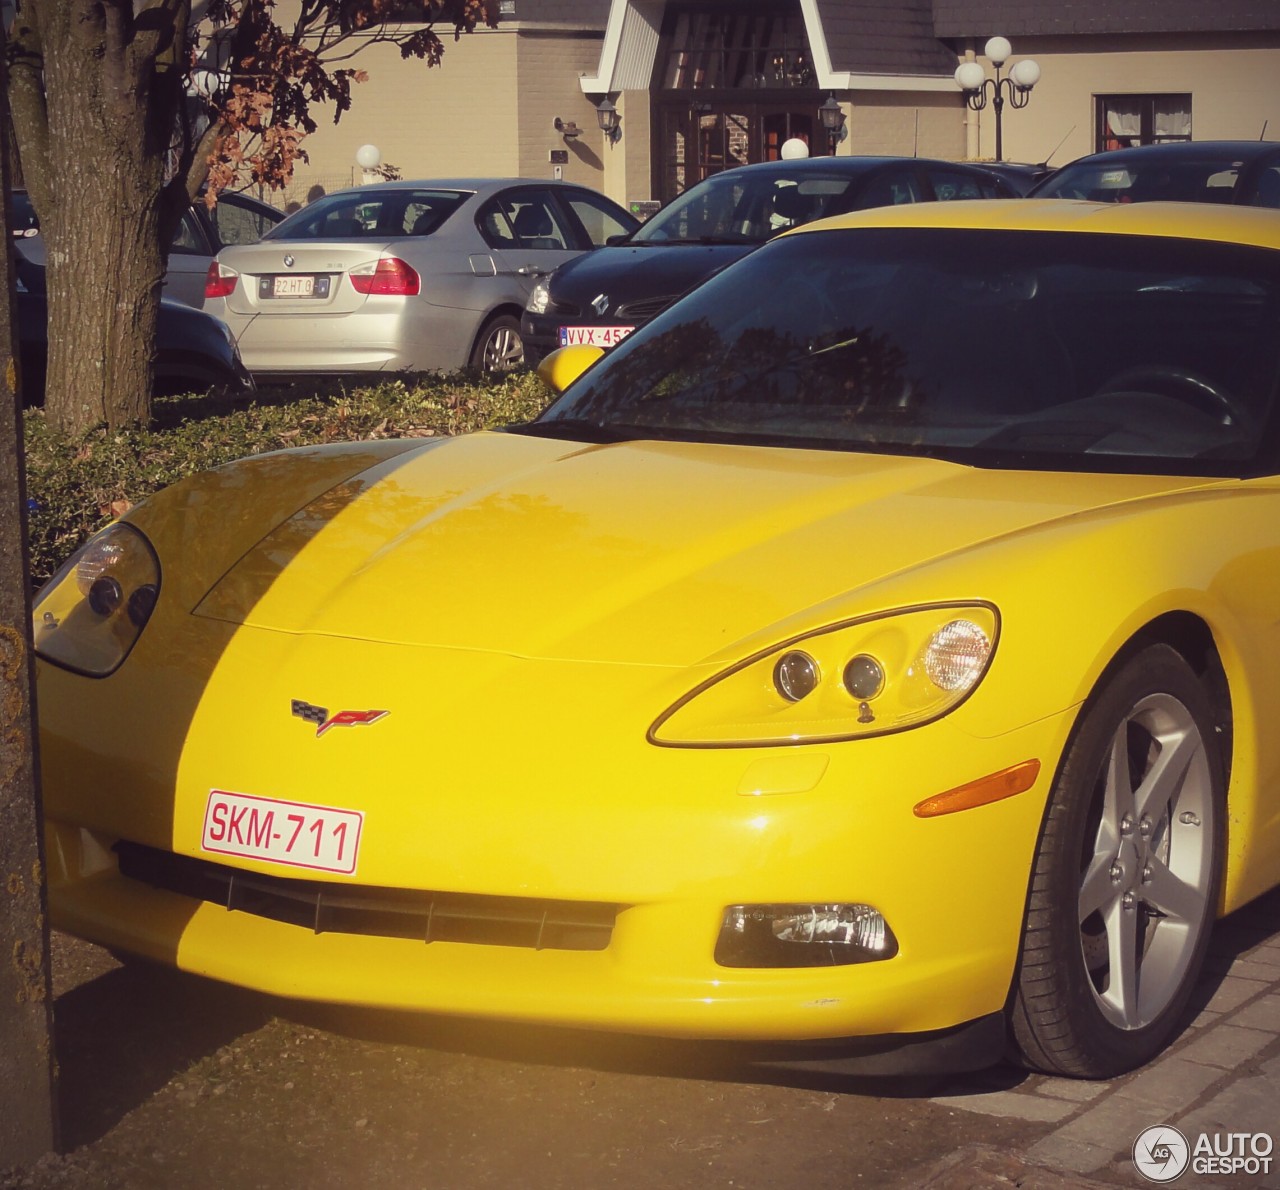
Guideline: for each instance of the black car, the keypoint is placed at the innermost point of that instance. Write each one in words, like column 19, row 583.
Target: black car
column 600, row 297
column 202, row 234
column 194, row 350
column 1245, row 172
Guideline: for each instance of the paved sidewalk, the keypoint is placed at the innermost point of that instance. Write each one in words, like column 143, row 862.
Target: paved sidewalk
column 1221, row 1076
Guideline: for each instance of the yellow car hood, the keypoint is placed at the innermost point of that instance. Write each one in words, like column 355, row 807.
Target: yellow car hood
column 656, row 553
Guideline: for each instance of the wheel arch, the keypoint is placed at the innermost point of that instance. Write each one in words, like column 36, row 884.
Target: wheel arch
column 509, row 309
column 1193, row 638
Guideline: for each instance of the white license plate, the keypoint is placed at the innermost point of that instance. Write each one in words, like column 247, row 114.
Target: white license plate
column 593, row 336
column 294, row 833
column 293, row 286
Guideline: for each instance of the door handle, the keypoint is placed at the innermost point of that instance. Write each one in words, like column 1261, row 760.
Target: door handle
column 531, row 270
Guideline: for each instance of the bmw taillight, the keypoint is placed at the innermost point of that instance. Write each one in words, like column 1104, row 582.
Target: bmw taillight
column 390, row 275
column 219, row 281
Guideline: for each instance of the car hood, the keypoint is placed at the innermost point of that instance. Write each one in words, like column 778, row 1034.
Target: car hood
column 625, row 273
column 657, row 553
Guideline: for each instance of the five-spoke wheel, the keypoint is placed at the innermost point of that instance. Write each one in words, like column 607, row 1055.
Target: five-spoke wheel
column 1126, row 874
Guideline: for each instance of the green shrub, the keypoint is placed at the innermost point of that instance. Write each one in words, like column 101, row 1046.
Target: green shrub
column 75, row 486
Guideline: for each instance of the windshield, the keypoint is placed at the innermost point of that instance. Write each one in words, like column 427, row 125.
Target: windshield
column 746, row 206
column 1205, row 180
column 1026, row 349
column 370, row 214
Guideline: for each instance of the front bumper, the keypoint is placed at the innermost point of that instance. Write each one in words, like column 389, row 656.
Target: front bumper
column 483, row 792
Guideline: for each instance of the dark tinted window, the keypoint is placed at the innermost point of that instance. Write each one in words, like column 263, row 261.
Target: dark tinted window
column 1155, row 179
column 746, row 207
column 370, row 214
column 1000, row 348
column 238, row 222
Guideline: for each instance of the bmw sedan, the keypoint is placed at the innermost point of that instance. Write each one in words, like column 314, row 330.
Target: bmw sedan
column 602, row 298
column 405, row 276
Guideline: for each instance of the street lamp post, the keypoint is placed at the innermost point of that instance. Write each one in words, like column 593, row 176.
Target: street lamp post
column 978, row 89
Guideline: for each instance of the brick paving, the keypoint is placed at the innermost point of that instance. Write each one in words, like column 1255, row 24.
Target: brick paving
column 1222, row 1075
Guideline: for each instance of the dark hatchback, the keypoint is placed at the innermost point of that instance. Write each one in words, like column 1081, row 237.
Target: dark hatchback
column 600, row 297
column 195, row 352
column 1242, row 172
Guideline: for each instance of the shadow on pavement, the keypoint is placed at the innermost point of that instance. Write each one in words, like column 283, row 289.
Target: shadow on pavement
column 121, row 1037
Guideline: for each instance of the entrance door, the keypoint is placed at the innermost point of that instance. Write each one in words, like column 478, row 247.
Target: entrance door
column 700, row 139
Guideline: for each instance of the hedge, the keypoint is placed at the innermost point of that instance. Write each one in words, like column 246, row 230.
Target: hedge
column 77, row 485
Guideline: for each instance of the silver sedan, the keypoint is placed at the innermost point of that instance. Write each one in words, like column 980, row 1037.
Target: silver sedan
column 404, row 276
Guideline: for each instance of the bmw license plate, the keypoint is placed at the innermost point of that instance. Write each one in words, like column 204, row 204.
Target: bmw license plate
column 293, row 287
column 593, row 336
column 281, row 832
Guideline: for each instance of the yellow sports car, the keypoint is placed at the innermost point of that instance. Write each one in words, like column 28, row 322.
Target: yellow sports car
column 875, row 651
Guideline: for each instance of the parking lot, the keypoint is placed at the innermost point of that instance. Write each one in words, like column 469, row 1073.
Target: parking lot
column 169, row 1080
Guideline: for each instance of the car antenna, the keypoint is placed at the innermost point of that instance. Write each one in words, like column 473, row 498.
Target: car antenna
column 1263, row 134
column 1059, row 145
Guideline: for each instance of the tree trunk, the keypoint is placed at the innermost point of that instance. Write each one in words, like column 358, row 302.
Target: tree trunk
column 27, row 1113
column 95, row 120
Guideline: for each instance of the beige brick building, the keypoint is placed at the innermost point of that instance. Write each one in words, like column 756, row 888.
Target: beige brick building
column 704, row 84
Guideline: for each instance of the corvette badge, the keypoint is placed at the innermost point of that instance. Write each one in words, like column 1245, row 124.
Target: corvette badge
column 323, row 720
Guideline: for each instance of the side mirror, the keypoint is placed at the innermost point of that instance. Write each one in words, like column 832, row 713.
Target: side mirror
column 614, row 241
column 564, row 365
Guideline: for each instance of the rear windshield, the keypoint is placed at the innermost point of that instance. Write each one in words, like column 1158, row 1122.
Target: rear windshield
column 996, row 348
column 370, row 214
column 747, row 207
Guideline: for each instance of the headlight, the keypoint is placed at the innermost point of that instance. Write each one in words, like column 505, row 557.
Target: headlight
column 93, row 610
column 539, row 299
column 860, row 678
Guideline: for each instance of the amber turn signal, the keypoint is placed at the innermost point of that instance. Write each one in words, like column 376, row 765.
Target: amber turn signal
column 985, row 790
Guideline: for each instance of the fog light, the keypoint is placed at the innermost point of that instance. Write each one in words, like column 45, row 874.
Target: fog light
column 803, row 936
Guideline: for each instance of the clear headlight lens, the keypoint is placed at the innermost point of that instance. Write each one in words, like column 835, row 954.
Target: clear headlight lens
column 89, row 615
column 539, row 299
column 863, row 677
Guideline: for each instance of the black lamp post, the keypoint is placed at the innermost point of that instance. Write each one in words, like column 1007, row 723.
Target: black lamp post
column 609, row 120
column 1016, row 86
column 832, row 118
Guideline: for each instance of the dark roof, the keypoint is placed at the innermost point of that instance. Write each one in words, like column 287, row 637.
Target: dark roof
column 589, row 15
column 884, row 37
column 1026, row 18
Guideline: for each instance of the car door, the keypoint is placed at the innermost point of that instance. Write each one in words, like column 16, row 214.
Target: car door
column 189, row 257
column 528, row 235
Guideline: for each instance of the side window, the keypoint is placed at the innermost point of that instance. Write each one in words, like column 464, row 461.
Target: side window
column 535, row 220
column 890, row 189
column 188, row 238
column 494, row 225
column 239, row 225
column 599, row 217
column 951, row 184
column 1268, row 192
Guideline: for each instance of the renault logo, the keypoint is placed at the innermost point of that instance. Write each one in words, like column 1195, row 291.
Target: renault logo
column 601, row 304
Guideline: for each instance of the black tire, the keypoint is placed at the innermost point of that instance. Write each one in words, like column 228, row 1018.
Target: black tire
column 499, row 346
column 1125, row 883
